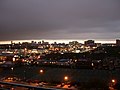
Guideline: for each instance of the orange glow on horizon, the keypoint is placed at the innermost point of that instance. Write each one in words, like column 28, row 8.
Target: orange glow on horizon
column 58, row 41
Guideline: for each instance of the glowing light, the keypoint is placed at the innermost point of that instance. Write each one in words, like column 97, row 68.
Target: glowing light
column 12, row 68
column 13, row 59
column 41, row 71
column 25, row 49
column 92, row 64
column 75, row 60
column 113, row 80
column 12, row 88
column 66, row 78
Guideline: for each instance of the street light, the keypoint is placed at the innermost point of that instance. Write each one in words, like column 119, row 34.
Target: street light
column 113, row 81
column 66, row 78
column 12, row 68
column 24, row 74
column 13, row 59
column 25, row 51
column 41, row 71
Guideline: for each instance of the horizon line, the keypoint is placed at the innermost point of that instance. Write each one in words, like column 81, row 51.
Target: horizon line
column 57, row 40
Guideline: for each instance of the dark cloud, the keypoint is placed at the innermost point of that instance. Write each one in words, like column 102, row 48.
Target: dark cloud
column 59, row 19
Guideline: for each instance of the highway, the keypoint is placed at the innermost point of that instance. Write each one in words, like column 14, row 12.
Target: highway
column 26, row 86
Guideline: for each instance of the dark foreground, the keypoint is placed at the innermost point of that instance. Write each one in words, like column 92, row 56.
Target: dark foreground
column 80, row 78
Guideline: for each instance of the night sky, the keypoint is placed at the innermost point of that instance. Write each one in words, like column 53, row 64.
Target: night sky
column 59, row 19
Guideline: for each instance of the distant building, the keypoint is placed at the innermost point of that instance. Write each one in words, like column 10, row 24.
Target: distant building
column 11, row 42
column 89, row 43
column 117, row 42
column 109, row 44
column 74, row 43
column 98, row 44
column 6, row 56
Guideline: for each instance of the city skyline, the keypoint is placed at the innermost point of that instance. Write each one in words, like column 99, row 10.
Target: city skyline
column 58, row 41
column 59, row 20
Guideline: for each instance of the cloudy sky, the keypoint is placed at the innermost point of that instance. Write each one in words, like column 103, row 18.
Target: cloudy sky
column 59, row 19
